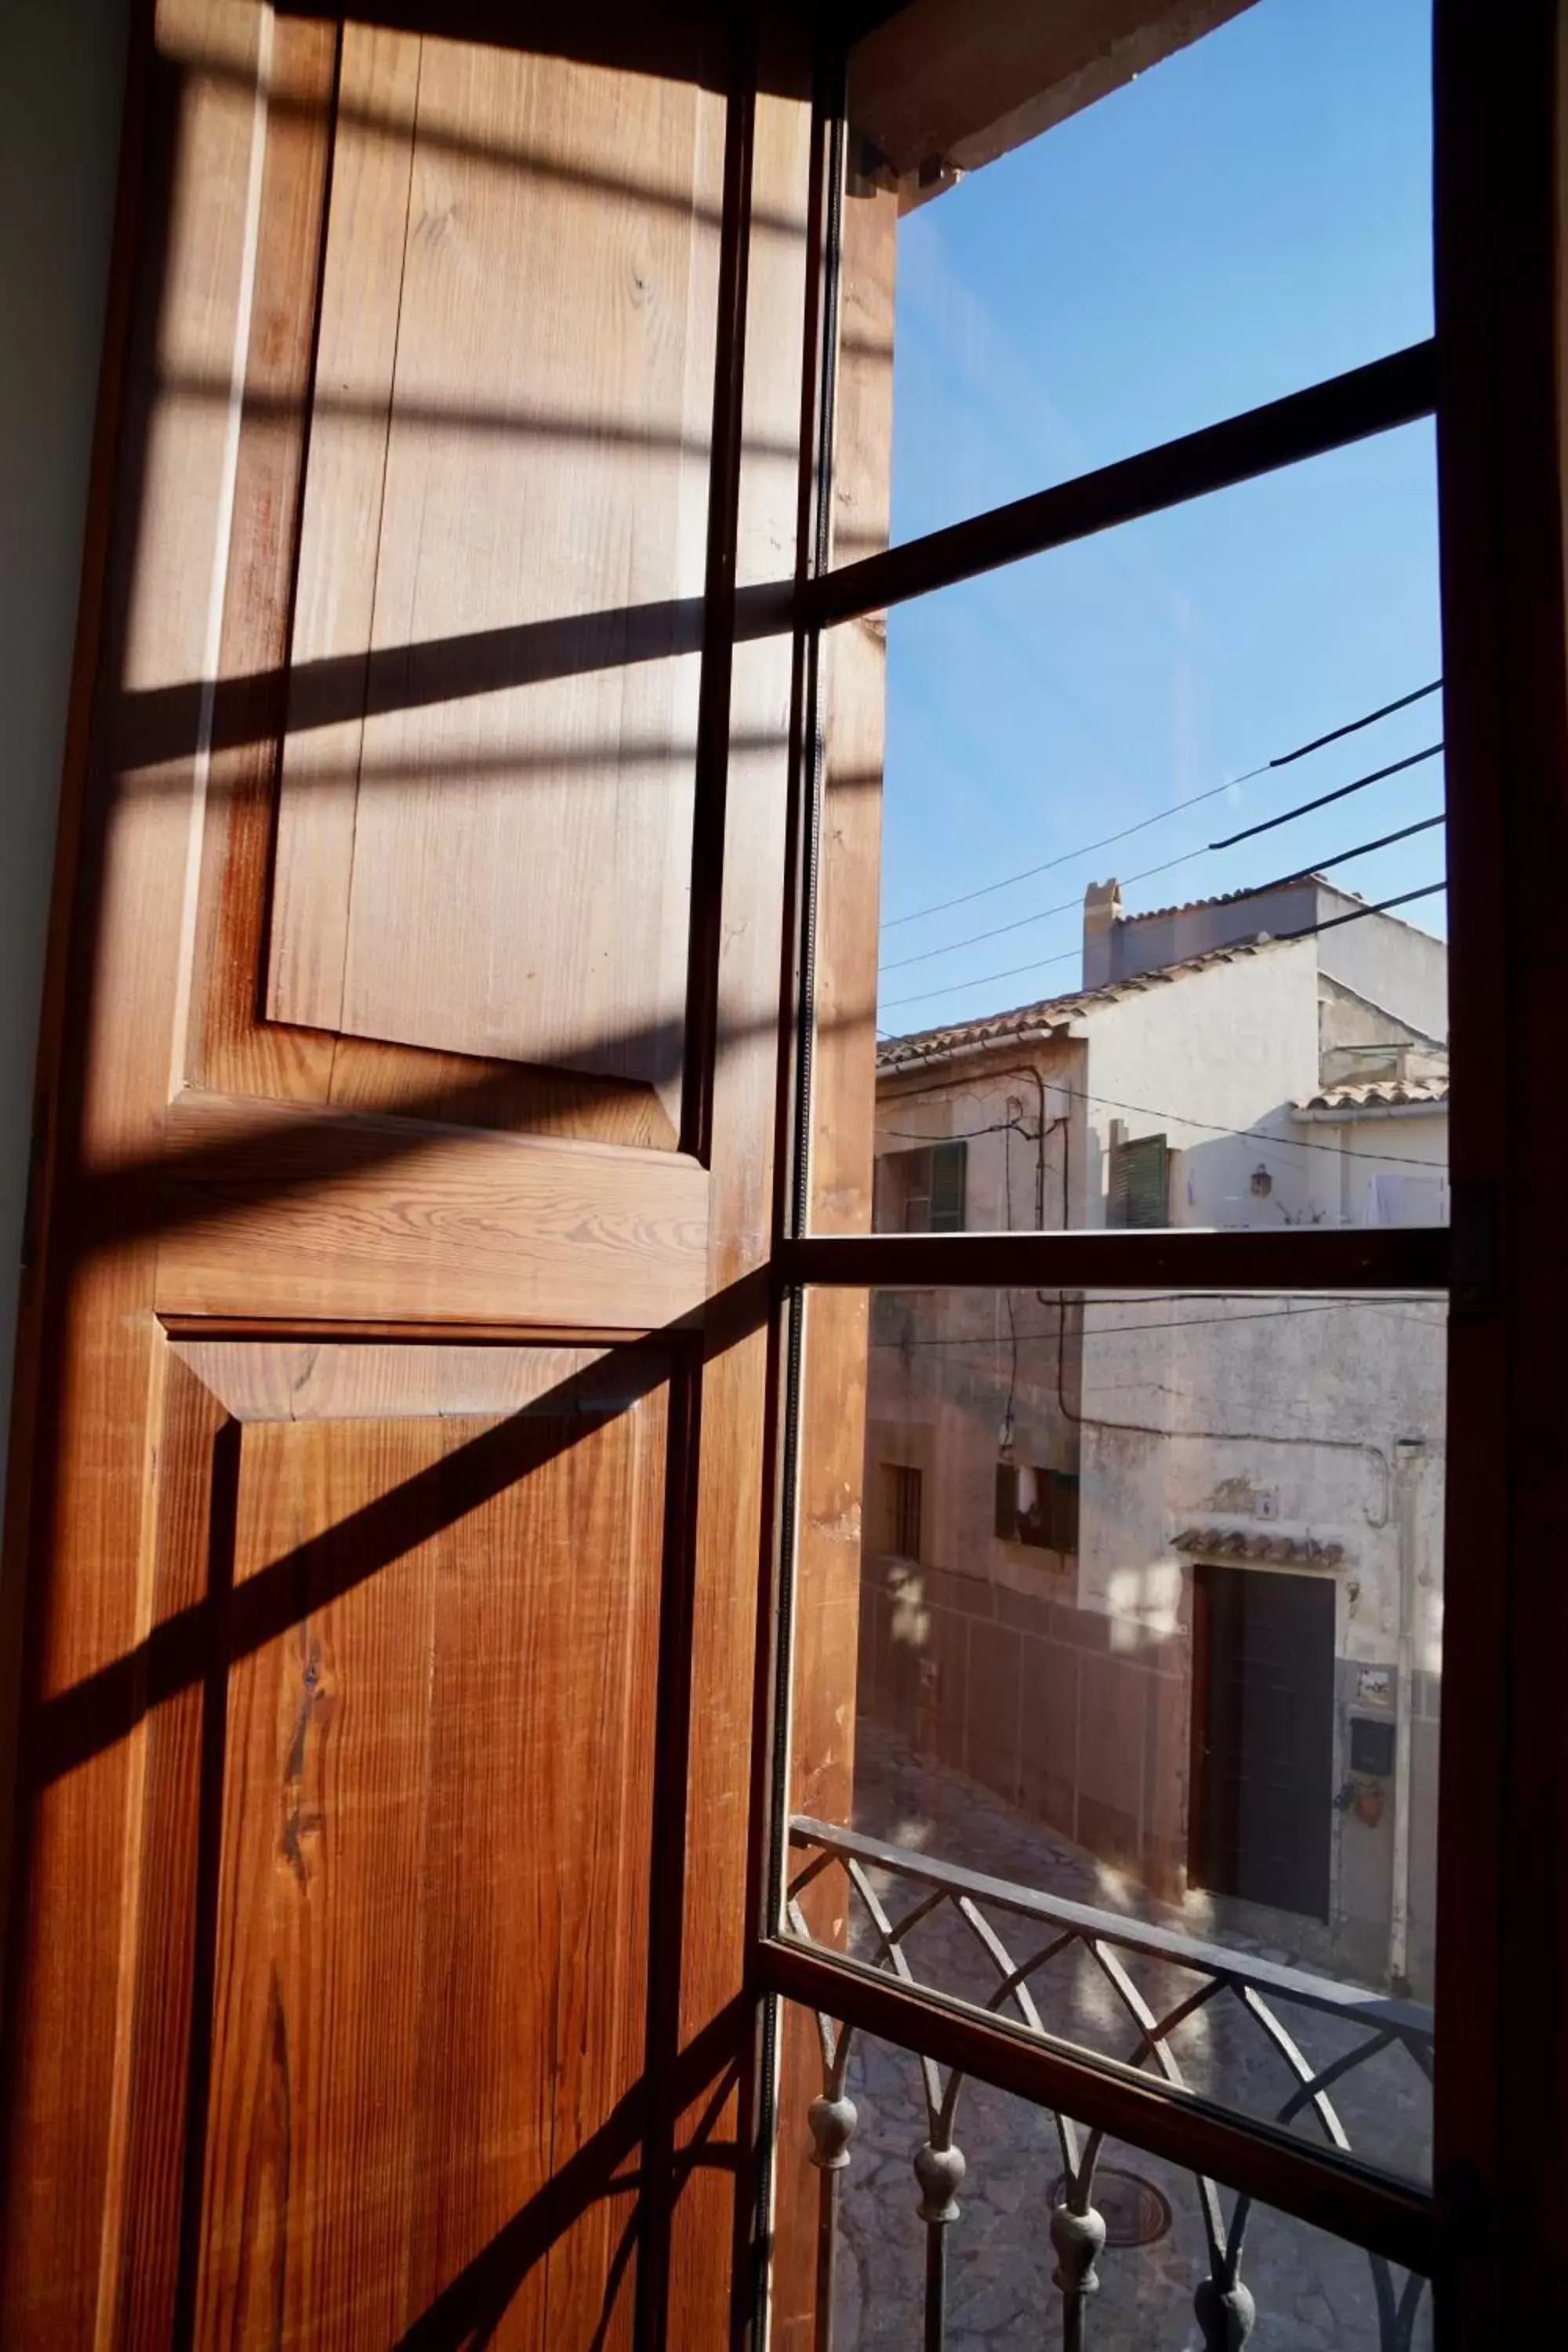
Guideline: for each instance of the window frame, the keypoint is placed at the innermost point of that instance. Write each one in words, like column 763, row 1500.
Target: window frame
column 1487, row 377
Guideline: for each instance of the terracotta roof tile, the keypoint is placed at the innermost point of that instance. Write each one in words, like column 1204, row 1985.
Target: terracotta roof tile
column 1379, row 1094
column 1245, row 1543
column 1047, row 1014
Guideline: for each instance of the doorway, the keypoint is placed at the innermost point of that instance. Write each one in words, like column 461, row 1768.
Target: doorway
column 1263, row 1654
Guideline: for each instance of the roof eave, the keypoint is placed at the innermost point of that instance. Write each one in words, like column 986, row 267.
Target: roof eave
column 1347, row 1114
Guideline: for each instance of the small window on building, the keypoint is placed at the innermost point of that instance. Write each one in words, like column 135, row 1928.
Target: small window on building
column 1064, row 1511
column 1037, row 1507
column 901, row 1510
column 1139, row 1181
column 922, row 1192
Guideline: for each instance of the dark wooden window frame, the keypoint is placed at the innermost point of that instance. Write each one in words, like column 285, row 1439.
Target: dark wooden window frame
column 1491, row 2234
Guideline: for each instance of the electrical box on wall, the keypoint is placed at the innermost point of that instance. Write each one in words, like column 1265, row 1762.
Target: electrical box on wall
column 1371, row 1746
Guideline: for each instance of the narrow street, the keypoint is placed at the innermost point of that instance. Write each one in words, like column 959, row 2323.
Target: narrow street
column 1312, row 2294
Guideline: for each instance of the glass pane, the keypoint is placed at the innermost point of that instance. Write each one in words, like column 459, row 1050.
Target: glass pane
column 853, row 2243
column 1102, row 775
column 1118, row 1662
column 1252, row 216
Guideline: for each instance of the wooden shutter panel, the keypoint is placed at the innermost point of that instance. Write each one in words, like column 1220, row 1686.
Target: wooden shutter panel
column 1140, row 1182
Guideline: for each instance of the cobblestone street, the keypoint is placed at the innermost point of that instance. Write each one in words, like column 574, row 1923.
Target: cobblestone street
column 1310, row 2291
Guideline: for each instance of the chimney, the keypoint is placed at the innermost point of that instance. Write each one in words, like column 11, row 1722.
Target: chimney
column 1101, row 913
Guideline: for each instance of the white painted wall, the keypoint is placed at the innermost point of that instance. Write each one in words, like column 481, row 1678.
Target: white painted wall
column 62, row 68
column 1247, row 1415
column 1278, row 1405
column 1211, row 1060
column 1393, row 963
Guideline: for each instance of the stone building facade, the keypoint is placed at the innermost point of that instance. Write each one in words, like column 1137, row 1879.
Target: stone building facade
column 1074, row 1504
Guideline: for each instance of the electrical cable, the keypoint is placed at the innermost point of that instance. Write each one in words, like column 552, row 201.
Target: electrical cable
column 1309, row 931
column 1175, row 1323
column 1364, row 849
column 1284, row 760
column 1147, row 1110
column 1072, row 906
column 1396, row 767
column 1353, row 726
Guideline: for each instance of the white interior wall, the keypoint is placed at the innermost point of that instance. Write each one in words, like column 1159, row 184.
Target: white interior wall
column 62, row 72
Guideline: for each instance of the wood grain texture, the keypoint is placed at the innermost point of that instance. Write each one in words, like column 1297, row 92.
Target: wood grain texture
column 330, row 1976
column 433, row 1898
column 341, row 528
column 520, row 1099
column 316, row 375
column 266, row 393
column 293, row 1379
column 140, row 2269
column 266, row 1211
column 94, row 1505
column 731, row 1476
column 542, row 479
column 833, row 1406
column 946, row 81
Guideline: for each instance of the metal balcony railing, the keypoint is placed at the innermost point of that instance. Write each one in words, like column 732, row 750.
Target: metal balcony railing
column 1030, row 1950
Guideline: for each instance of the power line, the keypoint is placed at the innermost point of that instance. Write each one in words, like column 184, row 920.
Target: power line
column 1404, row 899
column 1360, row 785
column 1088, row 850
column 1243, row 1134
column 1171, row 1118
column 1178, row 1297
column 1353, row 726
column 1175, row 1323
column 1187, row 857
column 1022, row 922
column 1108, row 840
column 1364, row 849
column 950, row 988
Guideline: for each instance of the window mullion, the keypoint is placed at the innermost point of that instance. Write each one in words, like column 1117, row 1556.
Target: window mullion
column 1329, row 416
column 1410, row 1257
column 1319, row 2186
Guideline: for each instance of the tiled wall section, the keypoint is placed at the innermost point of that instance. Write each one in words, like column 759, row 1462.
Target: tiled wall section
column 1083, row 1722
column 1030, row 1697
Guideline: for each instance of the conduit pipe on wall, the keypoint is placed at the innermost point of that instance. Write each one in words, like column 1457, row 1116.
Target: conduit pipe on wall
column 1409, row 1453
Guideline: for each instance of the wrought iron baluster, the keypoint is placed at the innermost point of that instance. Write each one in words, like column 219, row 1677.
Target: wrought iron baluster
column 1224, row 2302
column 832, row 2118
column 939, row 2172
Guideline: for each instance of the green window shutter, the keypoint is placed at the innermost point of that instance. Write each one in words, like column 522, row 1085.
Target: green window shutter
column 948, row 1168
column 1140, row 1182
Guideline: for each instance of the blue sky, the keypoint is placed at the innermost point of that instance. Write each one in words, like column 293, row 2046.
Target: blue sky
column 1250, row 216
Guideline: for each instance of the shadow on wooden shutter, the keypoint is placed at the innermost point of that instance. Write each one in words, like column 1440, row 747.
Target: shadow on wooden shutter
column 1140, row 1182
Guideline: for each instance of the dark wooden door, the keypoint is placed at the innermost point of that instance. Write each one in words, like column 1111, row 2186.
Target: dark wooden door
column 1263, row 1736
column 385, row 1715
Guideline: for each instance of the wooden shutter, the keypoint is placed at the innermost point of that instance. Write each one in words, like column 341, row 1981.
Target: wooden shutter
column 1140, row 1182
column 396, row 1371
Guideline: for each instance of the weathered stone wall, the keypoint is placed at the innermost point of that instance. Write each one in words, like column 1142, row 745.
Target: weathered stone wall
column 1030, row 1697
